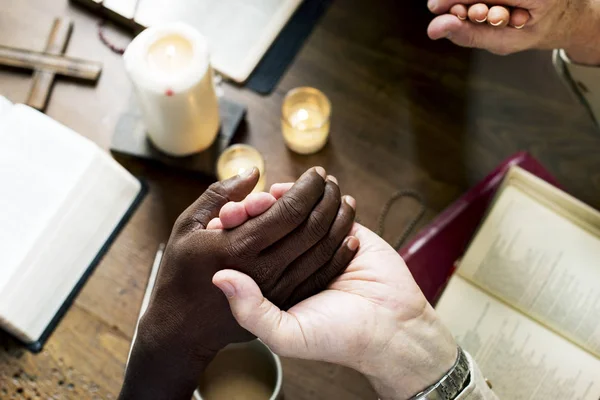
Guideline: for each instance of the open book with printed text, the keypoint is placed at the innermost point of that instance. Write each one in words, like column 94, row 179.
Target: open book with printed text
column 525, row 299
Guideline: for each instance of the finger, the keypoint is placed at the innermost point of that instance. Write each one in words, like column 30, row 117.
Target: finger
column 499, row 41
column 478, row 13
column 319, row 255
column 519, row 17
column 323, row 277
column 214, row 223
column 460, row 10
column 216, row 196
column 284, row 216
column 258, row 203
column 279, row 189
column 256, row 314
column 498, row 16
column 443, row 6
column 333, row 179
column 277, row 257
column 234, row 214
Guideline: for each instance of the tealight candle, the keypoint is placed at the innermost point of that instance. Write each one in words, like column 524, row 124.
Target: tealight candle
column 305, row 120
column 173, row 81
column 239, row 158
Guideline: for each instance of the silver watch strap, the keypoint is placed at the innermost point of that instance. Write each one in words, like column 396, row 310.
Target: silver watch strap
column 451, row 384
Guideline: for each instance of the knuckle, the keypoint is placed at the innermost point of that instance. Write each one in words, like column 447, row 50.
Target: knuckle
column 325, row 251
column 317, row 225
column 263, row 275
column 291, row 210
column 180, row 222
column 217, row 193
column 183, row 224
column 217, row 188
column 240, row 248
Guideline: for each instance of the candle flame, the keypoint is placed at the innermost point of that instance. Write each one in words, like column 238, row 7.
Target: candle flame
column 302, row 114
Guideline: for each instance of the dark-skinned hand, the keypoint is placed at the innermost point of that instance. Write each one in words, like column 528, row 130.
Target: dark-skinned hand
column 189, row 320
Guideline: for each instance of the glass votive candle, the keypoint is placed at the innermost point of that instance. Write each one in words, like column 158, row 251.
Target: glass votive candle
column 305, row 117
column 238, row 159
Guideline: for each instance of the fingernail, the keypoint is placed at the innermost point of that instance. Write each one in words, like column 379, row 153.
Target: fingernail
column 332, row 179
column 461, row 18
column 519, row 27
column 227, row 289
column 497, row 23
column 246, row 174
column 432, row 4
column 321, row 171
column 352, row 243
column 351, row 201
column 481, row 20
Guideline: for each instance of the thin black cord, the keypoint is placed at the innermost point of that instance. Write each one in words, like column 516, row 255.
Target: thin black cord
column 412, row 223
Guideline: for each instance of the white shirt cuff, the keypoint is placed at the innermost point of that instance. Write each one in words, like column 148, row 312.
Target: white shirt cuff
column 583, row 80
column 478, row 388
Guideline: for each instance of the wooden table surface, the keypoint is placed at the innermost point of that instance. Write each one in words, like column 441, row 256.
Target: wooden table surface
column 407, row 113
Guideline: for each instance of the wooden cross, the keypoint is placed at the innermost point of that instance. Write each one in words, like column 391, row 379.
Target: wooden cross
column 48, row 64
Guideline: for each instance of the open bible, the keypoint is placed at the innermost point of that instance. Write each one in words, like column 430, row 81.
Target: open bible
column 525, row 299
column 63, row 200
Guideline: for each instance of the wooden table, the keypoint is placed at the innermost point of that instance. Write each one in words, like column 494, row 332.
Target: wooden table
column 407, row 113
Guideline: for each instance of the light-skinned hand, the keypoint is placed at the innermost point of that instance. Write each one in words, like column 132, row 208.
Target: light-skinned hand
column 508, row 26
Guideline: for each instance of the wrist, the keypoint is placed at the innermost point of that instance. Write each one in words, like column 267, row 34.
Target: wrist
column 584, row 46
column 163, row 365
column 584, row 55
column 418, row 356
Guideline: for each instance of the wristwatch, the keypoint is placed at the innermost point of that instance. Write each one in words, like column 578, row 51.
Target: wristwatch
column 451, row 384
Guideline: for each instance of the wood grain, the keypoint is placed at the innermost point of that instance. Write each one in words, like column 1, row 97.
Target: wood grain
column 407, row 113
column 66, row 66
column 43, row 79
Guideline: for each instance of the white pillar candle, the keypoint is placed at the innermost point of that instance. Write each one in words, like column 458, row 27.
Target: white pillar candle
column 171, row 74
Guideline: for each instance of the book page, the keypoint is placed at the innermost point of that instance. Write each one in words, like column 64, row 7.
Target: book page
column 57, row 262
column 541, row 263
column 5, row 106
column 41, row 161
column 238, row 31
column 521, row 358
column 62, row 198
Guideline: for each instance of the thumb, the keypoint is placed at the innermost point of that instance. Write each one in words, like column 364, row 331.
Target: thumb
column 217, row 195
column 255, row 313
column 502, row 41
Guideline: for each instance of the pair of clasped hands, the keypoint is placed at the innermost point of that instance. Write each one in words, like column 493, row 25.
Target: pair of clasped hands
column 292, row 268
column 509, row 26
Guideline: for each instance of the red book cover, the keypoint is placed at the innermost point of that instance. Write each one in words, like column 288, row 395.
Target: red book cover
column 433, row 252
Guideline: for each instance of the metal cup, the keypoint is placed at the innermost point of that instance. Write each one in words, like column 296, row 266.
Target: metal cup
column 243, row 371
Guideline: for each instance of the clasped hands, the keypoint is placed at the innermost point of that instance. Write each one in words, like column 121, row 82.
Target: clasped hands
column 292, row 268
column 508, row 26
